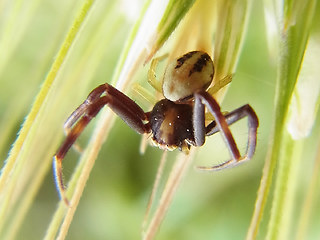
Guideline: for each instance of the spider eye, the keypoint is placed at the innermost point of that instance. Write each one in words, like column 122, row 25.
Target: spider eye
column 187, row 74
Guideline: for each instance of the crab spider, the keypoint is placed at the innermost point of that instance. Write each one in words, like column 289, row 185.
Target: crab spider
column 177, row 121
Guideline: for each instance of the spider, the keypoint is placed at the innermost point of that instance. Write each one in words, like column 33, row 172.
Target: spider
column 177, row 121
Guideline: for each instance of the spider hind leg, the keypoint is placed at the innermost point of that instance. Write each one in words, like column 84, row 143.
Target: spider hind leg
column 221, row 124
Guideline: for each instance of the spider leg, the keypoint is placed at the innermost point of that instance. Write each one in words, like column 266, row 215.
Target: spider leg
column 220, row 84
column 221, row 124
column 236, row 115
column 145, row 94
column 198, row 119
column 80, row 111
column 69, row 141
column 119, row 103
column 156, row 84
column 74, row 117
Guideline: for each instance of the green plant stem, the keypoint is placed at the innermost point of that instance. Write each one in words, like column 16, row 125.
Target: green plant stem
column 16, row 160
column 44, row 90
column 268, row 170
column 174, row 13
column 308, row 204
column 294, row 33
column 24, row 205
column 292, row 47
column 287, row 179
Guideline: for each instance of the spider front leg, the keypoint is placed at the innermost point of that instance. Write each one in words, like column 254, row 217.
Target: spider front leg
column 80, row 111
column 221, row 124
column 119, row 103
column 220, row 84
column 156, row 84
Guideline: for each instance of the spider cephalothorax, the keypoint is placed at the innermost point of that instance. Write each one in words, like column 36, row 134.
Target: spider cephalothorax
column 177, row 121
column 171, row 125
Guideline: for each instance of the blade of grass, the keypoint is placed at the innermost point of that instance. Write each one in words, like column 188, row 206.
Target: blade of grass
column 179, row 169
column 231, row 29
column 154, row 190
column 44, row 91
column 309, row 201
column 304, row 112
column 13, row 27
column 174, row 13
column 287, row 177
column 298, row 22
column 294, row 32
column 233, row 18
column 22, row 27
column 16, row 161
column 92, row 55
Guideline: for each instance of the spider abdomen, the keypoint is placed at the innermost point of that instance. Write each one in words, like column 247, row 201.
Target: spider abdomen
column 171, row 124
column 186, row 75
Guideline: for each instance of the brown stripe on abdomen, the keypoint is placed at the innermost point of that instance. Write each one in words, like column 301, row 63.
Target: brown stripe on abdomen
column 200, row 63
column 184, row 58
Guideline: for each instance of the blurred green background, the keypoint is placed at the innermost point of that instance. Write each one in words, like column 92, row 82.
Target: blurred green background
column 207, row 205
